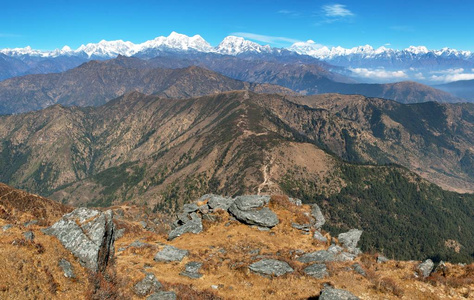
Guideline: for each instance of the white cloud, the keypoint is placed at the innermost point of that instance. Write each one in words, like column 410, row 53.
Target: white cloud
column 378, row 73
column 336, row 10
column 290, row 13
column 452, row 77
column 265, row 38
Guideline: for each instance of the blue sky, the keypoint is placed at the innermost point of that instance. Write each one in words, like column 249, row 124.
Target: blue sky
column 397, row 24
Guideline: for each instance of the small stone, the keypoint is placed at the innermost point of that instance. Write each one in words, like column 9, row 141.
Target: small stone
column 192, row 270
column 170, row 253
column 295, row 201
column 382, row 259
column 29, row 235
column 143, row 224
column 336, row 294
column 6, row 227
column 271, row 267
column 147, row 285
column 303, row 227
column 318, row 216
column 425, row 268
column 358, row 268
column 138, row 244
column 67, row 268
column 316, row 270
column 214, row 287
column 318, row 236
column 161, row 295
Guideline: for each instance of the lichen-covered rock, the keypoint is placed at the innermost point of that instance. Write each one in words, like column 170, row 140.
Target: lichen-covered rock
column 350, row 239
column 193, row 224
column 425, row 268
column 170, row 253
column 147, row 285
column 321, row 255
column 318, row 216
column 88, row 234
column 250, row 210
column 271, row 267
column 190, row 207
column 67, row 268
column 316, row 270
column 336, row 294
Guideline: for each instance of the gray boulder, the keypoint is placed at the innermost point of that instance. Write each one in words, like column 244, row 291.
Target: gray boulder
column 29, row 235
column 350, row 239
column 88, row 234
column 250, row 210
column 318, row 216
column 170, row 253
column 29, row 223
column 162, row 295
column 67, row 268
column 316, row 270
column 358, row 268
column 318, row 236
column 345, row 256
column 302, row 227
column 381, row 259
column 190, row 207
column 336, row 294
column 270, row 267
column 192, row 225
column 219, row 202
column 321, row 255
column 147, row 285
column 425, row 268
column 192, row 270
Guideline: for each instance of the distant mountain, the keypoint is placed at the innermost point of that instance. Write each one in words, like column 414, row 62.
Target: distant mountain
column 94, row 83
column 462, row 88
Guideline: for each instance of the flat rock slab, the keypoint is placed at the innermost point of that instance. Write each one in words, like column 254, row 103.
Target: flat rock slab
column 316, row 270
column 219, row 202
column 88, row 234
column 271, row 267
column 321, row 255
column 251, row 202
column 170, row 253
column 336, row 294
column 162, row 295
column 147, row 285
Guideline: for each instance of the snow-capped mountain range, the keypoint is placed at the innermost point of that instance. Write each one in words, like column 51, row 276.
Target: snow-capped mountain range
column 370, row 64
column 233, row 45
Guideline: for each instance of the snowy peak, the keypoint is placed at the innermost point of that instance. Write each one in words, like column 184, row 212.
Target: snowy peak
column 233, row 45
column 176, row 41
column 107, row 48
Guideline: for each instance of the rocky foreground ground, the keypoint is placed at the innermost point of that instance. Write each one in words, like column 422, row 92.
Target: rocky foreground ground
column 248, row 247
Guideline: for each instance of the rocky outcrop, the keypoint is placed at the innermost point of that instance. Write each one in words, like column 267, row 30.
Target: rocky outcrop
column 321, row 255
column 192, row 270
column 250, row 210
column 271, row 267
column 88, row 234
column 329, row 293
column 217, row 202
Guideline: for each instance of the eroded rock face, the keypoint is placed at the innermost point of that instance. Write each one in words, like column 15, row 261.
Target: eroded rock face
column 350, row 239
column 250, row 210
column 88, row 234
column 318, row 216
column 425, row 268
